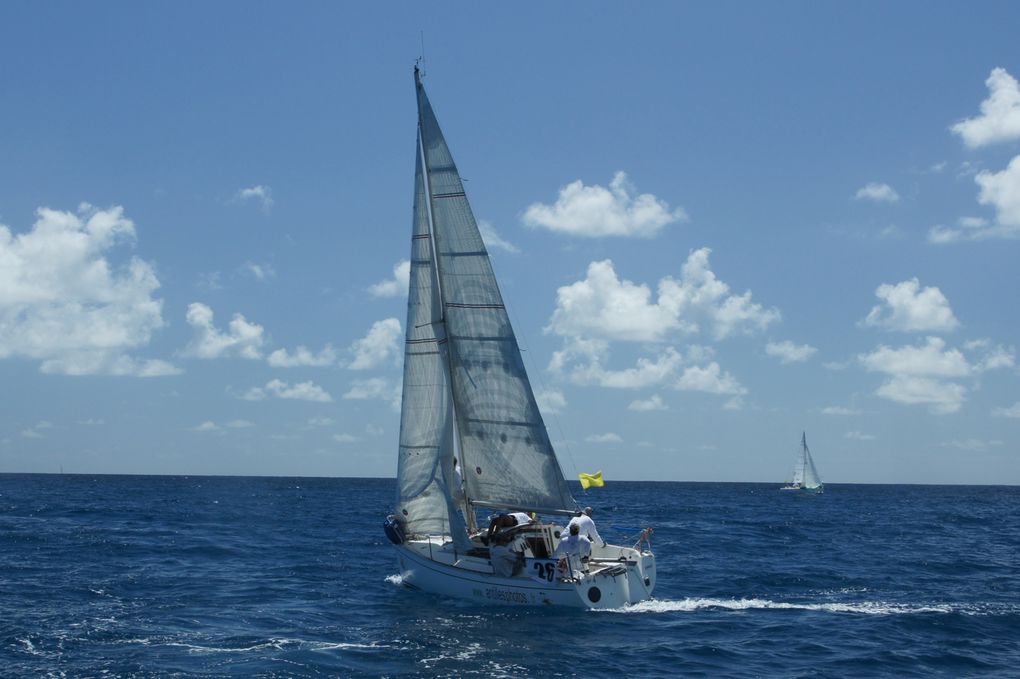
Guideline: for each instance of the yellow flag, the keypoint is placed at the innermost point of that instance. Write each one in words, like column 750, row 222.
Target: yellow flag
column 591, row 480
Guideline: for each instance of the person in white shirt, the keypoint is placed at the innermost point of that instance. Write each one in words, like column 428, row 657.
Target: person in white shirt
column 572, row 551
column 507, row 556
column 586, row 526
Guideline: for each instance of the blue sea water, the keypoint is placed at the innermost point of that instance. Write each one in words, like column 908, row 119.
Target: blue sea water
column 239, row 576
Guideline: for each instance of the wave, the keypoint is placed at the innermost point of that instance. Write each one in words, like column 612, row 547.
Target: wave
column 860, row 607
column 277, row 644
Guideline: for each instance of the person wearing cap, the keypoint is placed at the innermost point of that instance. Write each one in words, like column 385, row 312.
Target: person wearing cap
column 586, row 526
column 572, row 552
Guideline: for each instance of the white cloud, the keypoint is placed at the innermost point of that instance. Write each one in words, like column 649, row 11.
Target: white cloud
column 1001, row 190
column 494, row 241
column 380, row 344
column 550, row 401
column 206, row 426
column 930, row 359
column 1012, row 411
column 344, row 438
column 971, row 444
column 595, row 211
column 243, row 339
column 263, row 195
column 940, row 396
column 648, row 404
column 1000, row 113
column 908, row 308
column 302, row 357
column 584, row 359
column 240, row 424
column 62, row 302
column 879, row 193
column 858, row 436
column 320, row 422
column 259, row 271
column 788, row 352
column 608, row 437
column 711, row 380
column 839, row 410
column 374, row 389
column 397, row 284
column 304, row 391
column 603, row 306
column 924, row 374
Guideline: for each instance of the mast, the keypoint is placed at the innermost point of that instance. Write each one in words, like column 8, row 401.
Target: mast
column 465, row 502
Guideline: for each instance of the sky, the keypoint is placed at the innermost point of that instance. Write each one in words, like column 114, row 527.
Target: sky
column 715, row 225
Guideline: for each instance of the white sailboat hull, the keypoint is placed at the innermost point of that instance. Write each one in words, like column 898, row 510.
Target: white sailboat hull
column 618, row 576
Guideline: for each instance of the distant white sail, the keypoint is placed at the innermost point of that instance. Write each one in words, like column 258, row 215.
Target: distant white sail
column 805, row 475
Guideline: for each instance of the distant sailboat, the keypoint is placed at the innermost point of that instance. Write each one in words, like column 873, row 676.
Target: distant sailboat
column 805, row 476
column 471, row 434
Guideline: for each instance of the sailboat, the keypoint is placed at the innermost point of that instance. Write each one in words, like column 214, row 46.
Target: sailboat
column 471, row 434
column 805, row 476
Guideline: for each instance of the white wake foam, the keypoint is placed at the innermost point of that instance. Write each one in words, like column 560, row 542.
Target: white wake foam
column 861, row 607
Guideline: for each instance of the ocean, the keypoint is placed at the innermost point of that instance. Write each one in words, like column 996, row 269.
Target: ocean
column 163, row 576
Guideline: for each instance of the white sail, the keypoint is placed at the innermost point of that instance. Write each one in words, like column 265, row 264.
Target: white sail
column 507, row 456
column 425, row 459
column 810, row 478
column 805, row 475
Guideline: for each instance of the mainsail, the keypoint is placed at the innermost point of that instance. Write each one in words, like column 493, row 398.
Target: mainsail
column 809, row 475
column 459, row 325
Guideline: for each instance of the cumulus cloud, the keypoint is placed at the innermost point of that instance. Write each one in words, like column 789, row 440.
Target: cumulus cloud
column 345, row 438
column 63, row 303
column 858, row 436
column 1012, row 411
column 493, row 241
column 582, row 361
column 879, row 193
column 929, row 374
column 788, row 352
column 710, row 379
column 397, row 284
column 1000, row 113
column 908, row 308
column 608, row 437
column 259, row 271
column 655, row 402
column 931, row 358
column 302, row 357
column 839, row 410
column 206, row 426
column 1001, row 190
column 550, row 401
column 304, row 391
column 380, row 344
column 596, row 211
column 241, row 340
column 604, row 306
column 261, row 195
column 372, row 389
